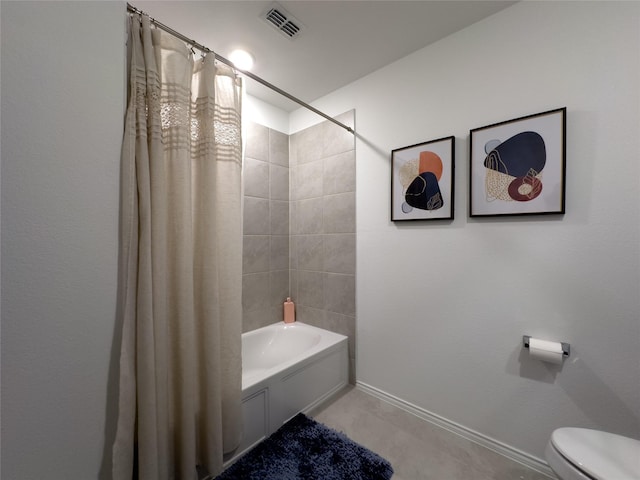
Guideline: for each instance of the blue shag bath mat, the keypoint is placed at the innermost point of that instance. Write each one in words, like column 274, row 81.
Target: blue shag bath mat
column 303, row 449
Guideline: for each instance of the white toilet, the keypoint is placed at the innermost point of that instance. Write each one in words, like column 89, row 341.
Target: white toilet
column 584, row 454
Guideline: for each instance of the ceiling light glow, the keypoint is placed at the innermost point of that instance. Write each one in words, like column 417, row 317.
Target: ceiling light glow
column 241, row 59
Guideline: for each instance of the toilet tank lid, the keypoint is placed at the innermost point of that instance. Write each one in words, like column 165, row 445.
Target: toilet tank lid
column 602, row 455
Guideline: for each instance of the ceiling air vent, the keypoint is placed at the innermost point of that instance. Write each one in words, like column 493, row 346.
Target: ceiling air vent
column 283, row 21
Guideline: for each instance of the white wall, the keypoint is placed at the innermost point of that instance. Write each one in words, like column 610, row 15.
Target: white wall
column 264, row 114
column 63, row 95
column 442, row 307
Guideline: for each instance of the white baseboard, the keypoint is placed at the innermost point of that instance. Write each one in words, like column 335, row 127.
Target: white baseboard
column 492, row 444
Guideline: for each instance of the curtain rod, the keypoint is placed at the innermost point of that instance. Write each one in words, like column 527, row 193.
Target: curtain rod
column 202, row 48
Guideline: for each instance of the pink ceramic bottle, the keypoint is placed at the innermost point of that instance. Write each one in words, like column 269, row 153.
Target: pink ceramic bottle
column 289, row 311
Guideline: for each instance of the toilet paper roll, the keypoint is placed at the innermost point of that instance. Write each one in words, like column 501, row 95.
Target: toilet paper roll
column 546, row 351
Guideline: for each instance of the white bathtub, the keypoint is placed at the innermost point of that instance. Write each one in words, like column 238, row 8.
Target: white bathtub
column 287, row 369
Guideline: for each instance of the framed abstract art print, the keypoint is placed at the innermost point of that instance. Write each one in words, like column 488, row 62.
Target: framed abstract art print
column 422, row 181
column 518, row 167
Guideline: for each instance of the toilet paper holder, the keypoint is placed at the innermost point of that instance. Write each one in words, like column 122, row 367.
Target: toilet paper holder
column 566, row 348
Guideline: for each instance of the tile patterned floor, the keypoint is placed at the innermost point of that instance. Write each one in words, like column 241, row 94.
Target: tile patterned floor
column 417, row 450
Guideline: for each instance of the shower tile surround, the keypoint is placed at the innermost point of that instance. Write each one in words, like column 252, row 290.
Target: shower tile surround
column 265, row 262
column 299, row 227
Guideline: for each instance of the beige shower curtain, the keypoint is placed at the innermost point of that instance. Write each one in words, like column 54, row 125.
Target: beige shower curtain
column 181, row 262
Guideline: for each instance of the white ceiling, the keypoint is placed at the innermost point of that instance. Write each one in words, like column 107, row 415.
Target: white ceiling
column 341, row 41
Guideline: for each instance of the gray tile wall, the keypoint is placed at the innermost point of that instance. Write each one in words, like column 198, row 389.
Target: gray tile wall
column 323, row 227
column 265, row 266
column 299, row 227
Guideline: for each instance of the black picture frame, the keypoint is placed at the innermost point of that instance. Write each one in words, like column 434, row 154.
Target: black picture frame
column 518, row 167
column 422, row 181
